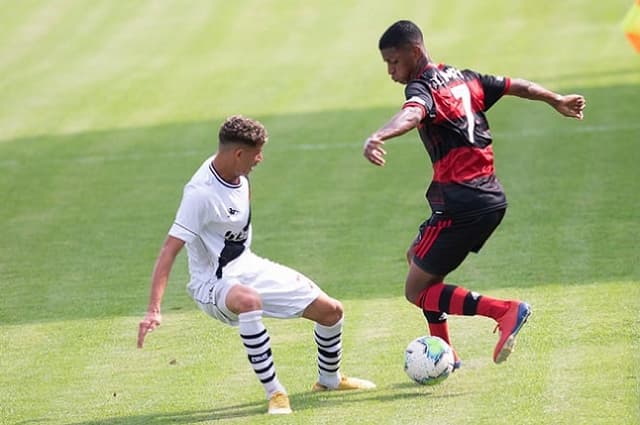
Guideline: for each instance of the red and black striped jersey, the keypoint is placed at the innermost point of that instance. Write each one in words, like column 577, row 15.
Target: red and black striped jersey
column 455, row 133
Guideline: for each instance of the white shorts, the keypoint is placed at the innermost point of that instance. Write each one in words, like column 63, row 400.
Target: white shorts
column 285, row 293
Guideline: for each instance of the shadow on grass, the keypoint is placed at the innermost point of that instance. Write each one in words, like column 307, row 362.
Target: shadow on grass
column 299, row 402
column 84, row 226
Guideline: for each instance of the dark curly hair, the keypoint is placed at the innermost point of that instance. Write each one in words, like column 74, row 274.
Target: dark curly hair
column 239, row 129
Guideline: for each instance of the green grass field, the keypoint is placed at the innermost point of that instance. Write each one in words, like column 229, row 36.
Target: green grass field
column 107, row 107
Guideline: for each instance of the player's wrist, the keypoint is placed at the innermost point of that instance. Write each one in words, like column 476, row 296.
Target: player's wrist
column 373, row 138
column 556, row 99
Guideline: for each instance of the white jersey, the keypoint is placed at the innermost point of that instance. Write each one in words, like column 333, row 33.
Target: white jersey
column 214, row 221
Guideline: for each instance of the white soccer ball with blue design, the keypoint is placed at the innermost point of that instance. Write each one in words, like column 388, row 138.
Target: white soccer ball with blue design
column 428, row 360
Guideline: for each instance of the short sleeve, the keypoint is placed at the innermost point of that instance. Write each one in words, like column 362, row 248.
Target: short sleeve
column 494, row 87
column 418, row 94
column 191, row 216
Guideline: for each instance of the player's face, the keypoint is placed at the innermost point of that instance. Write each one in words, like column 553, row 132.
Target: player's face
column 401, row 63
column 248, row 158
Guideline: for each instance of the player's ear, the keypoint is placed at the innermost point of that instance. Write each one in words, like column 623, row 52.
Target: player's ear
column 416, row 51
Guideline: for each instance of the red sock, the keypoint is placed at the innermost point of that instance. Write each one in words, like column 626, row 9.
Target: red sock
column 453, row 299
column 438, row 325
column 492, row 307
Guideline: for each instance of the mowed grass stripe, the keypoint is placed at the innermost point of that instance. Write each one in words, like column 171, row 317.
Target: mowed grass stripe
column 25, row 31
column 67, row 34
column 98, row 62
column 139, row 64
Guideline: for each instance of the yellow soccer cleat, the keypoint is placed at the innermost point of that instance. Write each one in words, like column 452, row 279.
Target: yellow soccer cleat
column 279, row 404
column 346, row 384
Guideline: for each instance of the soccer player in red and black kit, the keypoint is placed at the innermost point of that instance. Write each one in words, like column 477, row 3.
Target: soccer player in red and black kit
column 448, row 106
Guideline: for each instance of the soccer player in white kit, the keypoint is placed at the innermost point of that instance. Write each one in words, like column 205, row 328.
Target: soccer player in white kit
column 232, row 284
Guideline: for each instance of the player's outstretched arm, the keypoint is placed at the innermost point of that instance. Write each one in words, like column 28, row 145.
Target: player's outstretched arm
column 571, row 105
column 405, row 120
column 168, row 253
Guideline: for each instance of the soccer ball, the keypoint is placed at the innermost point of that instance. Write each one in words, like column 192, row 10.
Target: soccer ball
column 428, row 360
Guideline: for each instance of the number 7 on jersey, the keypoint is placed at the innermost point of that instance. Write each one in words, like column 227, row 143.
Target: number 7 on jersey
column 461, row 92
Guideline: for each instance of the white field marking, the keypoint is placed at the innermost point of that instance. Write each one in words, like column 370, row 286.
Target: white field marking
column 581, row 129
column 356, row 145
column 92, row 159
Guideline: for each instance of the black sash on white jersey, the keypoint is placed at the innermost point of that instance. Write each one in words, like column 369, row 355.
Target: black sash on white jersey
column 232, row 249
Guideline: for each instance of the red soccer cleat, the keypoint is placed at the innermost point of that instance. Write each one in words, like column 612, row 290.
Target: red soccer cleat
column 509, row 325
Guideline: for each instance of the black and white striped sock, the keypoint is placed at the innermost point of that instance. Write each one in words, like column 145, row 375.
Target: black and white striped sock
column 257, row 344
column 329, row 340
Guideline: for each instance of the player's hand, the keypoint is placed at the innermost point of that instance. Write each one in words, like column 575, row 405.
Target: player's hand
column 148, row 324
column 373, row 151
column 572, row 106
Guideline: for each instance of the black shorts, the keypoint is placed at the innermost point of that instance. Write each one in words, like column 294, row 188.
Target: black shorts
column 444, row 242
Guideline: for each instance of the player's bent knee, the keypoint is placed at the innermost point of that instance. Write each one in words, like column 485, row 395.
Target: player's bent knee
column 417, row 282
column 409, row 254
column 411, row 296
column 338, row 311
column 325, row 311
column 241, row 299
column 333, row 312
